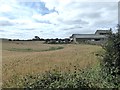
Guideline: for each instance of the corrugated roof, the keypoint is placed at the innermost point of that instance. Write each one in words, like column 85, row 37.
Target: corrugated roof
column 102, row 31
column 88, row 36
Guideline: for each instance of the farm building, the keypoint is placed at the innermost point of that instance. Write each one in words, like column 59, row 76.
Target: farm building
column 99, row 37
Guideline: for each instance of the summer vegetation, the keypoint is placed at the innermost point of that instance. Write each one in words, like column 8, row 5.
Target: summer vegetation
column 105, row 74
column 32, row 50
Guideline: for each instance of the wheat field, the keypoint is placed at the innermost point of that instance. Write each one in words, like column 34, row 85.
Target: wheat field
column 33, row 57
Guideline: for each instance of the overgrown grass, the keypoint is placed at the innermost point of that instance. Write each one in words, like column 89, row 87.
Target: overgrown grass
column 32, row 50
column 87, row 78
column 21, row 49
column 53, row 48
column 93, row 77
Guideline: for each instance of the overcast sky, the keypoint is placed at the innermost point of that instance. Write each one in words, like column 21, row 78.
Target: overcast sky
column 54, row 18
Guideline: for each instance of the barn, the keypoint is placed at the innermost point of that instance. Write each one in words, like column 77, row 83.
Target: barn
column 99, row 37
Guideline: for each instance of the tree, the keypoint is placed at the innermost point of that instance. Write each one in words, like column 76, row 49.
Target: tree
column 112, row 54
column 36, row 37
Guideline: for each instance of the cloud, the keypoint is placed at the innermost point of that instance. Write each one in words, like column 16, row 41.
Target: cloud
column 71, row 22
column 28, row 29
column 5, row 8
column 38, row 6
column 54, row 18
column 6, row 23
column 44, row 21
column 72, row 28
column 2, row 30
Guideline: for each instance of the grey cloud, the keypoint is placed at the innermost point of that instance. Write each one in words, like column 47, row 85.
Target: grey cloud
column 94, row 5
column 28, row 29
column 9, row 23
column 93, row 9
column 91, row 14
column 6, row 23
column 75, row 31
column 72, row 28
column 76, row 21
column 79, row 21
column 9, row 15
column 41, row 21
column 2, row 30
column 86, row 30
column 105, row 23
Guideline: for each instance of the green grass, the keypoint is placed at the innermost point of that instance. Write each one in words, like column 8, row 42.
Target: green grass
column 32, row 50
column 21, row 49
column 53, row 48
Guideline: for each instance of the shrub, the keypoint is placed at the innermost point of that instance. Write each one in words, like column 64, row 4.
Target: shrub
column 111, row 59
column 87, row 78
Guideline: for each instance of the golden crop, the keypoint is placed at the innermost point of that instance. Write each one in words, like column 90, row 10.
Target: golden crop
column 25, row 62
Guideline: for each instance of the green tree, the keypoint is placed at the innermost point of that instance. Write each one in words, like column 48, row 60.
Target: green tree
column 36, row 37
column 111, row 59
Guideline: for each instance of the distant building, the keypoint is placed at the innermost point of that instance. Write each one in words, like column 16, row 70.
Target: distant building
column 99, row 37
column 57, row 41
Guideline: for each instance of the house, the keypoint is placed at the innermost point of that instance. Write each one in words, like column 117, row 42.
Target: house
column 99, row 37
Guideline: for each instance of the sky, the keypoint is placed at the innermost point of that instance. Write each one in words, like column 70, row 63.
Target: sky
column 24, row 19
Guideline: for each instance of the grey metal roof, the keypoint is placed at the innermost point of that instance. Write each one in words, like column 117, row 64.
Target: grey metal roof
column 88, row 36
column 102, row 31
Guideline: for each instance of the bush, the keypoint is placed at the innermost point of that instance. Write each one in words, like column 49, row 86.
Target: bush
column 111, row 59
column 87, row 78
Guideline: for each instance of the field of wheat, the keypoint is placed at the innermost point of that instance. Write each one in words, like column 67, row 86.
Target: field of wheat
column 33, row 57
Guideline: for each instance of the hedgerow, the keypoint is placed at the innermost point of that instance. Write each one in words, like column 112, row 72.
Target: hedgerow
column 86, row 78
column 111, row 59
